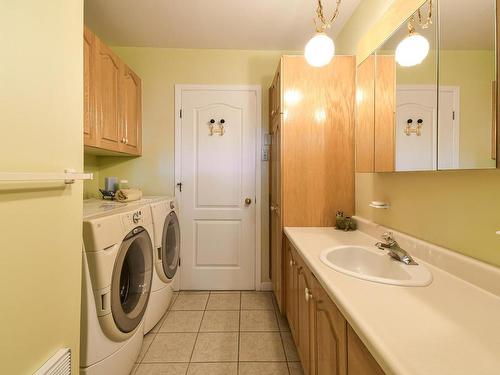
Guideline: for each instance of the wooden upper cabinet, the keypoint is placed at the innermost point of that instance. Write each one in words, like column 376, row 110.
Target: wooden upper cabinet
column 108, row 99
column 131, row 107
column 112, row 101
column 89, row 105
column 359, row 359
column 329, row 335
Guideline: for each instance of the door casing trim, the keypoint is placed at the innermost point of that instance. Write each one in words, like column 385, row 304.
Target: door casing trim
column 257, row 89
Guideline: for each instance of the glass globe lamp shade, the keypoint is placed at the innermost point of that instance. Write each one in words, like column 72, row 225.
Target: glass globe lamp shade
column 412, row 50
column 319, row 50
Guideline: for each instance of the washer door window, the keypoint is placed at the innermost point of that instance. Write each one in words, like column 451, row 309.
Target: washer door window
column 131, row 281
column 170, row 246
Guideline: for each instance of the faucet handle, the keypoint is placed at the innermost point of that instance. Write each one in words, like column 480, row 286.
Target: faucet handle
column 388, row 236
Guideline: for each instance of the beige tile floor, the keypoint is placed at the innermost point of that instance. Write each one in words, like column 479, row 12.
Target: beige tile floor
column 220, row 333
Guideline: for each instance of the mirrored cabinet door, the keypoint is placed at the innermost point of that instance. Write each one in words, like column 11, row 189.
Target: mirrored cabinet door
column 467, row 84
column 406, row 82
column 427, row 97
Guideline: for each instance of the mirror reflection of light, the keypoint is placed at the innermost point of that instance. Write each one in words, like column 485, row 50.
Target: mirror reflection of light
column 285, row 114
column 292, row 97
column 412, row 50
column 359, row 96
column 320, row 115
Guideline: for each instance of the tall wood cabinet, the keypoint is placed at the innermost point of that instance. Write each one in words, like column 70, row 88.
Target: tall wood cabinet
column 326, row 343
column 312, row 151
column 112, row 101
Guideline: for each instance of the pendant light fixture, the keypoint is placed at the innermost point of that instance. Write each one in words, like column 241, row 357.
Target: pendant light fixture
column 320, row 49
column 413, row 49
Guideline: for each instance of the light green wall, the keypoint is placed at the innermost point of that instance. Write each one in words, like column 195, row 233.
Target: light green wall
column 160, row 69
column 41, row 124
column 91, row 187
column 456, row 209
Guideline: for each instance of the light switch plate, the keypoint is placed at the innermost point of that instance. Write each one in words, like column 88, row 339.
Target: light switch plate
column 265, row 153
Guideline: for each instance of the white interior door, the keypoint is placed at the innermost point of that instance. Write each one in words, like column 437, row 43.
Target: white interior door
column 437, row 141
column 416, row 107
column 217, row 171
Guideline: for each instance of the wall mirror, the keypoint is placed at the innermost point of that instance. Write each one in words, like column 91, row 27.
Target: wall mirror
column 426, row 97
column 467, row 84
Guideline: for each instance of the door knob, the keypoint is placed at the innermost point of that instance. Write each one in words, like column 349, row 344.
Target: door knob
column 248, row 201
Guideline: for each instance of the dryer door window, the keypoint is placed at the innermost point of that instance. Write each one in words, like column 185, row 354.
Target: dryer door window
column 170, row 245
column 131, row 280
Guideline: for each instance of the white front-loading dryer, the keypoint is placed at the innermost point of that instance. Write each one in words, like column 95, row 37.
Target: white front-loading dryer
column 117, row 280
column 166, row 258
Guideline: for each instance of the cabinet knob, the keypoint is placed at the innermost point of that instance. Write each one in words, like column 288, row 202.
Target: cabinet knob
column 248, row 201
column 123, row 140
column 291, row 263
column 308, row 294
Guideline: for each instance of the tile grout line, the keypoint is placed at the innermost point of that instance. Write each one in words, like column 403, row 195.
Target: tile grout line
column 198, row 334
column 239, row 338
column 276, row 312
column 162, row 320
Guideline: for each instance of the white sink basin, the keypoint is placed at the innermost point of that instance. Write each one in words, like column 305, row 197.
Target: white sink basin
column 375, row 265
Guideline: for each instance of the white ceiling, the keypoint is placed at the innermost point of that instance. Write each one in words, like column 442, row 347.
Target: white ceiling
column 225, row 24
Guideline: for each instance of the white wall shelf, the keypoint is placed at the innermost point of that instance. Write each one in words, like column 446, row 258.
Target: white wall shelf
column 69, row 176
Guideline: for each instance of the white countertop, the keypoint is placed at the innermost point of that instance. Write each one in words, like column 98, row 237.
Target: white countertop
column 448, row 327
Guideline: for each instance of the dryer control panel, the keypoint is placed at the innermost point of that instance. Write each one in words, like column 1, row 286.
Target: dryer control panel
column 133, row 219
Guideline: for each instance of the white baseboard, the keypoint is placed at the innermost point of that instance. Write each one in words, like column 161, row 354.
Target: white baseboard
column 266, row 286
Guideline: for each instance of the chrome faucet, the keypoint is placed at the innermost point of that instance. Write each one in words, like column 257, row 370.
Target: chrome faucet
column 395, row 251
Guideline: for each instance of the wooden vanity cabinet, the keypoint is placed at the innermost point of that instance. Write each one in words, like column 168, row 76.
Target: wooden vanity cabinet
column 112, row 101
column 326, row 343
column 311, row 117
column 359, row 359
column 329, row 335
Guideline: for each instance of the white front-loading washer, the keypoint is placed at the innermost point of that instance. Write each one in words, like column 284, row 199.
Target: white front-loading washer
column 166, row 258
column 117, row 279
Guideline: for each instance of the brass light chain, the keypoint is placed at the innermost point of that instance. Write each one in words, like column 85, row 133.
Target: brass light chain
column 423, row 25
column 325, row 24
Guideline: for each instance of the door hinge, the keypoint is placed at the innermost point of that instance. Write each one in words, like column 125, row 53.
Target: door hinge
column 180, row 113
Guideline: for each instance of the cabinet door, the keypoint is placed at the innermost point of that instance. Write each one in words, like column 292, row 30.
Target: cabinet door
column 291, row 289
column 329, row 335
column 359, row 359
column 276, row 227
column 365, row 116
column 304, row 293
column 107, row 96
column 385, row 101
column 131, row 112
column 89, row 105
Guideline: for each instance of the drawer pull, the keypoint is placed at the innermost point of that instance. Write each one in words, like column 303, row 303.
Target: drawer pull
column 308, row 294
